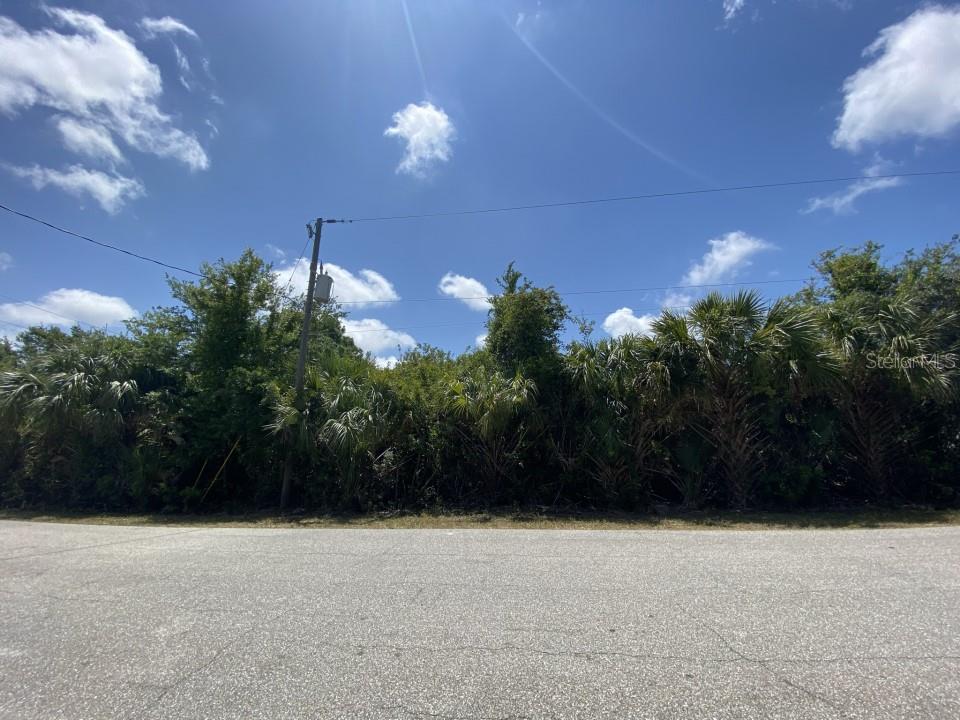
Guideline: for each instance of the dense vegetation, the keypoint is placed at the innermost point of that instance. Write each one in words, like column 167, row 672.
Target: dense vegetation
column 844, row 393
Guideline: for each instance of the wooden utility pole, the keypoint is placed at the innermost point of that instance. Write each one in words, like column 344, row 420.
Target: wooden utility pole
column 302, row 359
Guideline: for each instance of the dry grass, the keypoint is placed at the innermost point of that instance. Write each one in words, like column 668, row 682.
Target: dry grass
column 514, row 520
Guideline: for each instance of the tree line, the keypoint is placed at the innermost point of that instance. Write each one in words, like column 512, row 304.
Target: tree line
column 844, row 393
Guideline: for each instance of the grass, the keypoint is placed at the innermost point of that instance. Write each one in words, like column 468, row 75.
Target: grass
column 519, row 520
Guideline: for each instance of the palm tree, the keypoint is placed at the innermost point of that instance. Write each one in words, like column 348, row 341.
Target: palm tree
column 72, row 390
column 68, row 403
column 345, row 415
column 728, row 353
column 359, row 418
column 489, row 408
column 887, row 351
column 624, row 411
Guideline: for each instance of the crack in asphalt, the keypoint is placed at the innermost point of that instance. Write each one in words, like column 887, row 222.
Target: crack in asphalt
column 415, row 712
column 763, row 664
column 398, row 641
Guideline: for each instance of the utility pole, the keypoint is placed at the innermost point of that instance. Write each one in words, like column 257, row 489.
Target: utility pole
column 302, row 359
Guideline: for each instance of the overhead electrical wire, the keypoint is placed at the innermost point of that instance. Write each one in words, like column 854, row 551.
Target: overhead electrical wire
column 371, row 302
column 145, row 258
column 503, row 209
column 652, row 196
column 13, row 324
column 511, row 208
column 473, row 323
column 451, row 298
column 295, row 266
column 14, row 301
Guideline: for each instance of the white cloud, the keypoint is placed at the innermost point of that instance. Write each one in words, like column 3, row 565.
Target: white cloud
column 95, row 74
column 111, row 191
column 732, row 8
column 279, row 253
column 470, row 291
column 389, row 362
column 912, row 85
column 842, row 202
column 67, row 305
column 374, row 336
column 525, row 20
column 677, row 300
column 428, row 132
column 624, row 322
column 6, row 261
column 481, row 340
column 89, row 139
column 365, row 288
column 182, row 61
column 186, row 74
column 728, row 255
column 166, row 25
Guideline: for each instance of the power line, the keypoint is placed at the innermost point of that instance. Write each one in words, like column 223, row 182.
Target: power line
column 101, row 244
column 577, row 292
column 46, row 310
column 513, row 208
column 295, row 266
column 651, row 196
column 13, row 324
column 370, row 302
column 473, row 323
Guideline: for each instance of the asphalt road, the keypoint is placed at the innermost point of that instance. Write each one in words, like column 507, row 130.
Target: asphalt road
column 152, row 622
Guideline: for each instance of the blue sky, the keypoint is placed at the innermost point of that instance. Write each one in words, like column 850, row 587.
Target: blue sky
column 187, row 131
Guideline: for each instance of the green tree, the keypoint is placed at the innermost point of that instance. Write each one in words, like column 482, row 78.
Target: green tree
column 490, row 410
column 523, row 329
column 729, row 352
column 889, row 356
column 623, row 410
column 76, row 415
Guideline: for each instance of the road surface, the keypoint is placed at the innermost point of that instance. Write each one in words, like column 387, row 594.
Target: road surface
column 166, row 622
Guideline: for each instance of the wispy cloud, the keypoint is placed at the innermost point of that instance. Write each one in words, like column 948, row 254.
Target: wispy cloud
column 603, row 114
column 732, row 8
column 100, row 86
column 842, row 203
column 279, row 253
column 88, row 139
column 727, row 256
column 167, row 25
column 111, row 191
column 6, row 261
column 527, row 20
column 428, row 133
